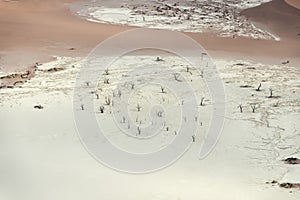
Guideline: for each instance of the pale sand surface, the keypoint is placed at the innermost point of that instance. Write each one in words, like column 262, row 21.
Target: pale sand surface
column 43, row 158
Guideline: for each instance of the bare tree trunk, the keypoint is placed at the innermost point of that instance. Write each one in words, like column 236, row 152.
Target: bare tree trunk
column 138, row 107
column 271, row 93
column 101, row 109
column 193, row 138
column 202, row 101
column 162, row 89
column 241, row 108
column 253, row 107
column 107, row 101
column 258, row 88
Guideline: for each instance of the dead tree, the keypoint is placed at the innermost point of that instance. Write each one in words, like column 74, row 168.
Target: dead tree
column 193, row 138
column 123, row 120
column 241, row 108
column 188, row 17
column 106, row 81
column 159, row 113
column 119, row 93
column 162, row 89
column 107, row 101
column 97, row 95
column 139, row 130
column 202, row 74
column 271, row 93
column 132, row 86
column 106, row 72
column 254, row 107
column 101, row 109
column 176, row 76
column 138, row 107
column 258, row 88
column 82, row 107
column 187, row 69
column 202, row 101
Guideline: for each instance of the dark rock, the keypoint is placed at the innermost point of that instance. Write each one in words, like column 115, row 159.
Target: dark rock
column 158, row 59
column 286, row 62
column 38, row 107
column 55, row 69
column 9, row 76
column 289, row 185
column 246, row 86
column 18, row 83
column 292, row 161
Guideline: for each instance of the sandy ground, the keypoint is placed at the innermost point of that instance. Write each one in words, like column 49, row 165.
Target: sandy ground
column 32, row 30
column 43, row 158
column 294, row 3
column 41, row 154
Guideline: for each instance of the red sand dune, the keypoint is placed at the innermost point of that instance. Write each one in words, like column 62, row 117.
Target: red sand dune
column 33, row 30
